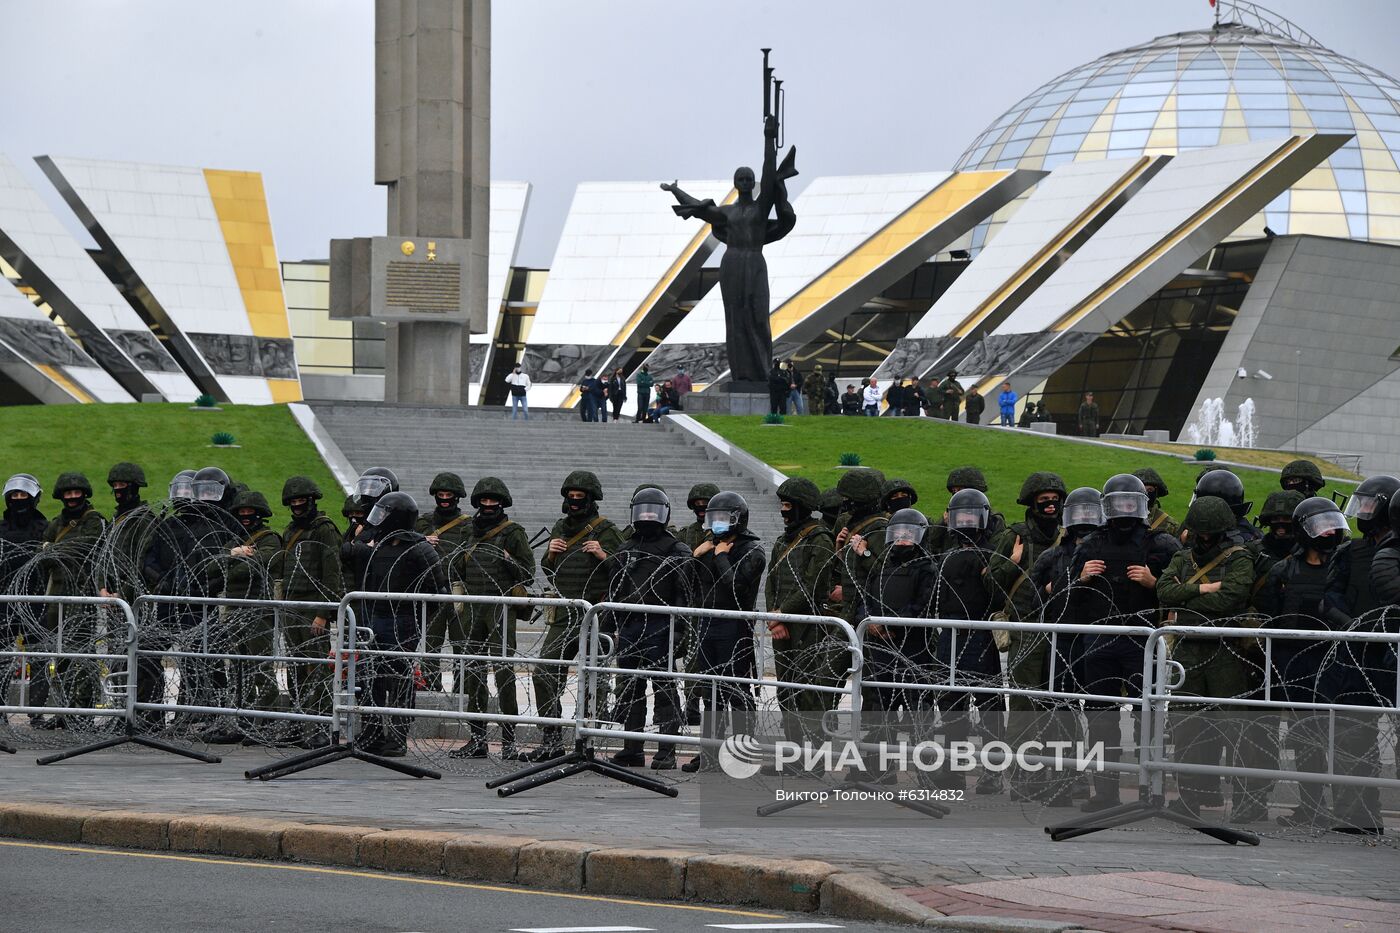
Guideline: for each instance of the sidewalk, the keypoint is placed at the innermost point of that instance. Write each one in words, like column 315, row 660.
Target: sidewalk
column 1133, row 879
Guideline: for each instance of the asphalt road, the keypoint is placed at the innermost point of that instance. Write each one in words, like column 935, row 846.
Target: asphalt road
column 80, row 888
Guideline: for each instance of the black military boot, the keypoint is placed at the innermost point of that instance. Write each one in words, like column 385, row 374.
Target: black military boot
column 509, row 750
column 551, row 746
column 476, row 745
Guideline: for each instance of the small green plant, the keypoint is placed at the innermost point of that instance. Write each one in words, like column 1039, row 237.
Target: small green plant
column 205, row 401
column 222, row 439
column 772, row 418
column 1205, row 453
column 850, row 458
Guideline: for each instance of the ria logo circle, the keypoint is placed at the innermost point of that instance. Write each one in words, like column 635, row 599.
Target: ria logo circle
column 740, row 756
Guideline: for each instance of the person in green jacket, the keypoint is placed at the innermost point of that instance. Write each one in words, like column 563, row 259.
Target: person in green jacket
column 447, row 528
column 860, row 540
column 1017, row 599
column 1157, row 520
column 1209, row 583
column 495, row 561
column 799, row 579
column 69, row 543
column 307, row 569
column 644, row 384
column 579, row 543
column 246, row 573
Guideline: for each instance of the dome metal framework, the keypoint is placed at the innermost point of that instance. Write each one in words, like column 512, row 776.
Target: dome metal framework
column 1251, row 76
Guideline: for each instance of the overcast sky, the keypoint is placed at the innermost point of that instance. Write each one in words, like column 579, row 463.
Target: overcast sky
column 582, row 90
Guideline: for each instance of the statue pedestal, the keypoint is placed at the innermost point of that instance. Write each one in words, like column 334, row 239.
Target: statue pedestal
column 726, row 403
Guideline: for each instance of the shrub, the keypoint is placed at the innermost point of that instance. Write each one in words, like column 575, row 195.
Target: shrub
column 222, row 439
column 205, row 401
column 772, row 418
column 1205, row 453
column 850, row 459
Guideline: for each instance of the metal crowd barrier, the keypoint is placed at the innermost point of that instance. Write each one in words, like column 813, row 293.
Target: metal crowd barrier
column 590, row 725
column 355, row 646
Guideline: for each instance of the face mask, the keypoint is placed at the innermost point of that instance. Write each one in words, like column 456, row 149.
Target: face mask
column 126, row 495
column 247, row 521
column 18, row 504
column 1281, row 530
column 574, row 506
column 490, row 511
column 848, row 505
column 1327, row 543
column 1203, row 544
column 649, row 531
column 1121, row 528
column 75, row 505
column 1050, row 509
column 446, row 503
column 899, row 502
column 1369, row 526
column 789, row 514
column 719, row 528
column 299, row 511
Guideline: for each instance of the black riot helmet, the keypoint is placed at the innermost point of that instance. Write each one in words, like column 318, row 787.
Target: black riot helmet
column 726, row 512
column 907, row 526
column 211, row 485
column 969, row 512
column 1320, row 523
column 1125, row 497
column 182, row 485
column 23, row 483
column 1225, row 485
column 395, row 511
column 1370, row 504
column 1083, row 511
column 374, row 483
column 650, row 504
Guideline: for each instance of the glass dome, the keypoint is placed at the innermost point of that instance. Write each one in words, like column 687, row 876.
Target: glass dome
column 1229, row 84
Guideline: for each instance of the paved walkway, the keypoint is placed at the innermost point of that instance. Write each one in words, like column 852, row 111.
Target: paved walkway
column 988, row 857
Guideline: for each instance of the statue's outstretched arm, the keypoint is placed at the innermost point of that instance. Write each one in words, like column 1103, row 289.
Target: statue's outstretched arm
column 691, row 206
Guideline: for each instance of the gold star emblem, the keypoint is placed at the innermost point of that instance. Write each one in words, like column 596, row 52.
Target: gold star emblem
column 432, row 251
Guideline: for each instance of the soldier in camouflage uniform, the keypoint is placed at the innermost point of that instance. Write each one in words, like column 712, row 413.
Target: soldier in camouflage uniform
column 830, row 509
column 69, row 543
column 1303, row 477
column 579, row 543
column 308, row 569
column 692, row 536
column 246, row 574
column 799, row 578
column 861, row 539
column 899, row 494
column 1016, row 598
column 447, row 528
column 496, row 560
column 1207, row 583
column 1157, row 520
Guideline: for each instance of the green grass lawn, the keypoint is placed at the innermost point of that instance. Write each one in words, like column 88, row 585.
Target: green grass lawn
column 923, row 450
column 47, row 440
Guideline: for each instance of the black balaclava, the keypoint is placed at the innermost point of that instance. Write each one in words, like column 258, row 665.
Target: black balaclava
column 127, row 498
column 446, row 504
column 251, row 522
column 794, row 515
column 1121, row 529
column 72, row 508
column 1202, row 544
column 301, row 513
column 488, row 516
column 899, row 499
column 579, row 508
column 1374, row 526
column 1279, row 541
column 1046, row 516
column 649, row 531
column 19, row 507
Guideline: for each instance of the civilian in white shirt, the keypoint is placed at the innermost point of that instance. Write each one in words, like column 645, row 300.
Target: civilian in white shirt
column 519, row 384
column 871, row 397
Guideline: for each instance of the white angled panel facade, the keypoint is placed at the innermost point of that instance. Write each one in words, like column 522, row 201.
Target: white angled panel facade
column 39, row 342
column 1056, row 202
column 618, row 242
column 50, row 252
column 508, row 203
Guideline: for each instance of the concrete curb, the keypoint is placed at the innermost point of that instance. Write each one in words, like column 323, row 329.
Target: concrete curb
column 650, row 874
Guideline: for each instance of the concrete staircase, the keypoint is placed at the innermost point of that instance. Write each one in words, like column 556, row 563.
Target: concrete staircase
column 533, row 457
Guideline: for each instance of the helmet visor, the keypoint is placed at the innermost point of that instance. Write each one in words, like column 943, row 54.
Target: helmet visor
column 1083, row 513
column 719, row 521
column 1363, row 506
column 907, row 532
column 967, row 519
column 377, row 515
column 650, row 512
column 208, row 490
column 22, row 484
column 182, row 488
column 1125, row 505
column 372, row 487
column 1324, row 523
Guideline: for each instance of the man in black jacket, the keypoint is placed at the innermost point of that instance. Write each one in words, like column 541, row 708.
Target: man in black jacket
column 21, row 537
column 652, row 568
column 1115, row 571
column 731, row 563
column 400, row 561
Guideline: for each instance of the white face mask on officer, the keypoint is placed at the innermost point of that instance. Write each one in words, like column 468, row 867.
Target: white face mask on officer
column 720, row 523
